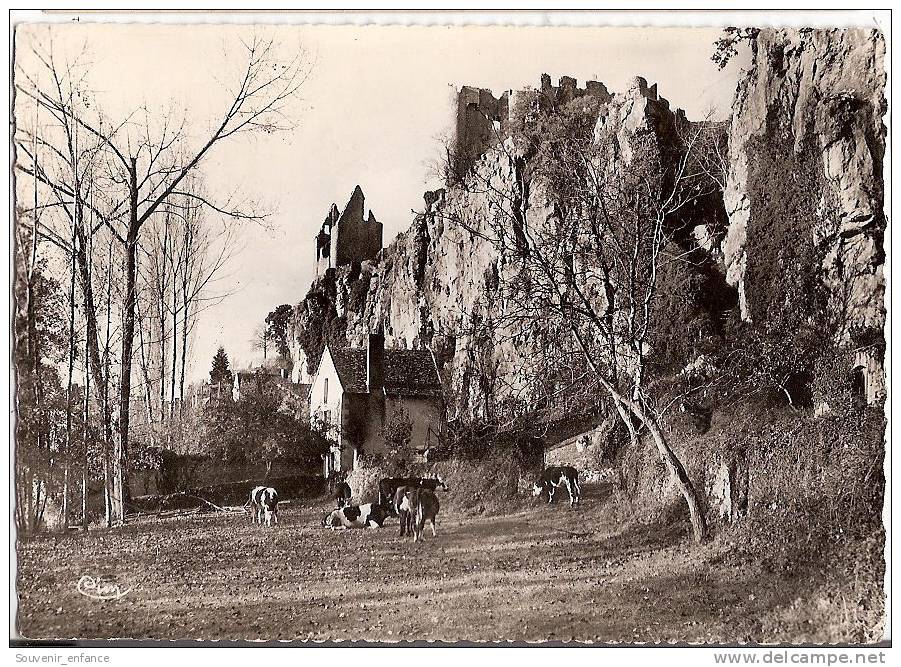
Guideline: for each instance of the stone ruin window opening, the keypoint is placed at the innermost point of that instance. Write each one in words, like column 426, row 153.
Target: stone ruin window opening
column 858, row 382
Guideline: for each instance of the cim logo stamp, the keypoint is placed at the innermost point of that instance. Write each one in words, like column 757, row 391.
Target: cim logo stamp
column 99, row 588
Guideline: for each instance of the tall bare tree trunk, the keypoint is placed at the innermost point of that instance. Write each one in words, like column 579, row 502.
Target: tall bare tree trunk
column 162, row 273
column 92, row 337
column 84, row 498
column 187, row 268
column 31, row 347
column 673, row 465
column 87, row 397
column 71, row 368
column 40, row 517
column 108, row 442
column 145, row 372
column 28, row 483
column 107, row 505
column 84, row 437
column 38, row 505
column 184, row 353
column 174, row 338
column 128, row 331
column 626, row 418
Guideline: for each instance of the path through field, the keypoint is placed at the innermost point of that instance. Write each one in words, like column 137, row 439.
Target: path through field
column 543, row 573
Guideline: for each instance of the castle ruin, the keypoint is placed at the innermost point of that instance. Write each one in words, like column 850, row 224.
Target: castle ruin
column 347, row 237
column 483, row 120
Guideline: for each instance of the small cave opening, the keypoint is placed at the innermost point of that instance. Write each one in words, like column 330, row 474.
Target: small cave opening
column 799, row 387
column 858, row 384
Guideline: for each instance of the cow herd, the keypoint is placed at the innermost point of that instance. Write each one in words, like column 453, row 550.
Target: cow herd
column 413, row 500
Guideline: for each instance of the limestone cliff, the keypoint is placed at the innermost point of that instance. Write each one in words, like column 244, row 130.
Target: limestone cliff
column 811, row 107
column 436, row 285
column 803, row 200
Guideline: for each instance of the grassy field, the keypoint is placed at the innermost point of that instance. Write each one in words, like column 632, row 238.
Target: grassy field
column 542, row 573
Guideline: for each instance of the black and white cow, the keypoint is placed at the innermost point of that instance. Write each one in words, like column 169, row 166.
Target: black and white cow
column 406, row 519
column 421, row 505
column 370, row 515
column 557, row 476
column 388, row 487
column 342, row 494
column 264, row 502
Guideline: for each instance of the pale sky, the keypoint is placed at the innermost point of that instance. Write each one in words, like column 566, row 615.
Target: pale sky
column 372, row 112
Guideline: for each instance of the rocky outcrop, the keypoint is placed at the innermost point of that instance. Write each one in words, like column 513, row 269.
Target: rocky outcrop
column 436, row 285
column 811, row 106
column 804, row 189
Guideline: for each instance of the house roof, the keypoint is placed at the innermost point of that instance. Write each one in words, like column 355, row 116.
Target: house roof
column 411, row 373
column 406, row 372
column 351, row 366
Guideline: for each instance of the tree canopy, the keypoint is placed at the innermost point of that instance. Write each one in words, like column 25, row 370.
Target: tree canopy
column 277, row 328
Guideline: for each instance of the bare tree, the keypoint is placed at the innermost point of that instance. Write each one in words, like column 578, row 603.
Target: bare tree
column 183, row 256
column 63, row 164
column 259, row 340
column 146, row 164
column 207, row 251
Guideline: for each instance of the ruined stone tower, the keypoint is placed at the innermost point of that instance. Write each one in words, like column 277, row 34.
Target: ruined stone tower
column 483, row 121
column 347, row 237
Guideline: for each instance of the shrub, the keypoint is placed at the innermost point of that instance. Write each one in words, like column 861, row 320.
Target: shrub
column 487, row 486
column 359, row 289
column 798, row 483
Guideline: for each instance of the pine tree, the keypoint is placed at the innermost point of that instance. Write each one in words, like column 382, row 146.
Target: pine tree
column 220, row 371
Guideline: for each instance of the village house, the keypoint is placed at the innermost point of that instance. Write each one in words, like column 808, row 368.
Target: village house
column 357, row 391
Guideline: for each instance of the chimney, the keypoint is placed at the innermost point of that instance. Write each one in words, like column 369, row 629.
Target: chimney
column 375, row 361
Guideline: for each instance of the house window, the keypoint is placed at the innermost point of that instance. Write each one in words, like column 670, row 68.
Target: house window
column 325, row 391
column 327, row 419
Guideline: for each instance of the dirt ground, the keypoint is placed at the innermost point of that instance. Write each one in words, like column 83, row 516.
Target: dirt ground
column 544, row 573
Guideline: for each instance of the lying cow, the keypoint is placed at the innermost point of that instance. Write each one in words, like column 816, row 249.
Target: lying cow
column 342, row 494
column 369, row 515
column 406, row 519
column 264, row 503
column 557, row 476
column 421, row 505
column 388, row 487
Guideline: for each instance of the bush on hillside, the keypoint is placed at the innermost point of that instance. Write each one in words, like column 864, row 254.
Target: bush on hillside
column 487, row 486
column 796, row 482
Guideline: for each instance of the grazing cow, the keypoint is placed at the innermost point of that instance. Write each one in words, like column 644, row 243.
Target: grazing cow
column 369, row 515
column 342, row 494
column 422, row 505
column 264, row 502
column 389, row 486
column 406, row 519
column 557, row 476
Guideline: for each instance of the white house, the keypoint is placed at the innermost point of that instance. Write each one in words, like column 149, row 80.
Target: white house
column 356, row 390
